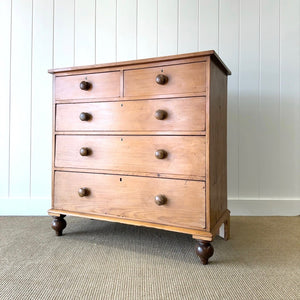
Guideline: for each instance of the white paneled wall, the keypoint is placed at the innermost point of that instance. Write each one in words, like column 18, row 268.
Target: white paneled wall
column 147, row 25
column 84, row 32
column 5, row 74
column 106, row 31
column 259, row 40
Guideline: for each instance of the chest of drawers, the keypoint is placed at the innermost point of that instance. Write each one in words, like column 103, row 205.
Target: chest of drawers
column 144, row 143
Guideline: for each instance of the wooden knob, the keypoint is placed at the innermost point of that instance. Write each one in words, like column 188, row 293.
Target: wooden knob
column 161, row 114
column 84, row 151
column 84, row 85
column 161, row 79
column 160, row 154
column 160, row 199
column 84, row 116
column 82, row 192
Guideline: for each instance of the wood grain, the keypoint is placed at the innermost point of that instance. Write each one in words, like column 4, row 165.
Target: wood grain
column 132, row 173
column 53, row 140
column 183, row 78
column 105, row 84
column 187, row 114
column 205, row 235
column 186, row 154
column 133, row 132
column 149, row 153
column 133, row 98
column 217, row 144
column 154, row 60
column 138, row 64
column 133, row 198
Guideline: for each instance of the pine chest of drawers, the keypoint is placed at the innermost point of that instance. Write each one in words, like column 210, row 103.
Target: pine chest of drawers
column 144, row 143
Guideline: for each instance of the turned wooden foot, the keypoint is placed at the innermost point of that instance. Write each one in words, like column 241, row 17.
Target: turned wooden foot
column 59, row 224
column 204, row 250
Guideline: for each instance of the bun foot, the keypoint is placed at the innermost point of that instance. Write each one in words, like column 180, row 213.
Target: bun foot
column 59, row 224
column 204, row 250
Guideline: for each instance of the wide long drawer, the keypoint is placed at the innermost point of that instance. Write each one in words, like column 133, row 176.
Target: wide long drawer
column 187, row 79
column 185, row 114
column 132, row 198
column 169, row 156
column 98, row 85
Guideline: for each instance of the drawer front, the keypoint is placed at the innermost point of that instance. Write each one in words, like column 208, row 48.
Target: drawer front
column 102, row 85
column 132, row 198
column 184, row 79
column 187, row 114
column 185, row 155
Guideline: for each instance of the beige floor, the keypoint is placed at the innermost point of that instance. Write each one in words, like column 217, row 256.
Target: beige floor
column 101, row 260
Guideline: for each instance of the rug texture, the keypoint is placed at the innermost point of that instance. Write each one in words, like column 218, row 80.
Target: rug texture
column 103, row 260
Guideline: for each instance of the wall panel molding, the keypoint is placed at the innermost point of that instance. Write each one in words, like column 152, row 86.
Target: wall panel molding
column 5, row 78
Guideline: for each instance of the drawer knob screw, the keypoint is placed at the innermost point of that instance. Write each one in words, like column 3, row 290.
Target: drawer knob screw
column 161, row 154
column 160, row 199
column 161, row 79
column 84, row 116
column 82, row 192
column 161, row 114
column 85, row 85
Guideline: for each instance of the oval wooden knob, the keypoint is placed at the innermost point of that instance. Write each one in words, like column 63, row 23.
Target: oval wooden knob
column 161, row 79
column 84, row 151
column 161, row 114
column 160, row 199
column 160, row 154
column 82, row 192
column 84, row 85
column 84, row 116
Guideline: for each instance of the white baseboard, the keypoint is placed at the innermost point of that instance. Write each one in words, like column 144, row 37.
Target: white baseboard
column 38, row 206
column 24, row 206
column 264, row 207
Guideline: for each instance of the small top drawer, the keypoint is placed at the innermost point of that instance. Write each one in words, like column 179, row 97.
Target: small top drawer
column 174, row 80
column 99, row 85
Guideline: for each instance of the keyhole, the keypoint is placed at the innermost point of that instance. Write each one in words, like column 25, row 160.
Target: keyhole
column 120, row 179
